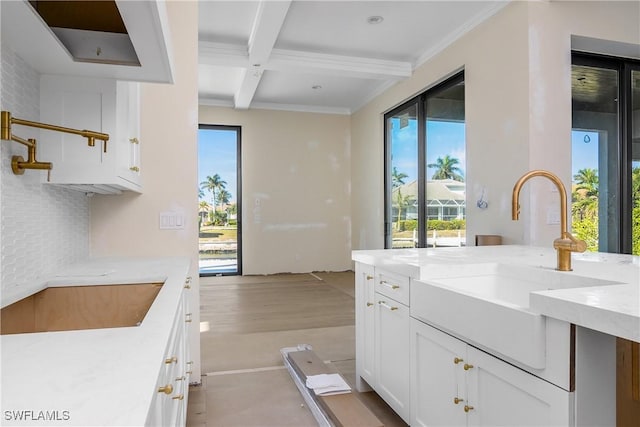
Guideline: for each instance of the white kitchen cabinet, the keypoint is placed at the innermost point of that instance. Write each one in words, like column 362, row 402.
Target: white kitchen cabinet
column 103, row 105
column 392, row 346
column 456, row 384
column 365, row 325
column 169, row 406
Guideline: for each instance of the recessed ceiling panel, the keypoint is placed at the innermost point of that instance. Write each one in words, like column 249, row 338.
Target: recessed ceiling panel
column 226, row 21
column 312, row 89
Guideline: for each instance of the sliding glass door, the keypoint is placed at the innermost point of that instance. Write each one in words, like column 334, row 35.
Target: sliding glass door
column 606, row 153
column 425, row 169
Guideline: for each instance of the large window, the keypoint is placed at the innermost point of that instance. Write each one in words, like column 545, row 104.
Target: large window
column 425, row 169
column 606, row 153
column 219, row 200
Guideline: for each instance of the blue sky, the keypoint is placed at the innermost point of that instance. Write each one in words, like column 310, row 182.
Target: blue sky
column 217, row 154
column 443, row 138
column 584, row 151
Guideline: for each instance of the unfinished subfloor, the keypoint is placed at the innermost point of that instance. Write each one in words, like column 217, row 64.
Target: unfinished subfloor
column 249, row 319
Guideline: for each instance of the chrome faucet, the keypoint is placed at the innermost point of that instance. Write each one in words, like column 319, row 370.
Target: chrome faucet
column 566, row 243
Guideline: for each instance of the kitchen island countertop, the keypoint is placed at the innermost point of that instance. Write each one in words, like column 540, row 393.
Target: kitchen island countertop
column 94, row 376
column 612, row 309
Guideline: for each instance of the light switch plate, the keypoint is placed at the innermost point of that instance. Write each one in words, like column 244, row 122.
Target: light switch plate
column 171, row 220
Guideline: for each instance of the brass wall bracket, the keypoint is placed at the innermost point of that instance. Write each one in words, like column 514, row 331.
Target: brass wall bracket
column 18, row 163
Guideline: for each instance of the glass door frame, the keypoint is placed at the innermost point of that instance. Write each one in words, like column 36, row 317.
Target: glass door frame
column 420, row 102
column 624, row 67
column 238, row 131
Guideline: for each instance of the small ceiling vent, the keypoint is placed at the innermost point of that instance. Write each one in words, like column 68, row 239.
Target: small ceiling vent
column 91, row 31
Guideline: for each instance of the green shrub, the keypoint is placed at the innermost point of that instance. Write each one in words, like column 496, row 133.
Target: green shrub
column 408, row 225
column 636, row 231
column 455, row 224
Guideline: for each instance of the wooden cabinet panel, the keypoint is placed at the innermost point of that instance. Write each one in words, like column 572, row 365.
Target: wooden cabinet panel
column 628, row 383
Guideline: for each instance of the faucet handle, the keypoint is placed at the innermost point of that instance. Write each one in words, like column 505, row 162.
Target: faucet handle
column 571, row 243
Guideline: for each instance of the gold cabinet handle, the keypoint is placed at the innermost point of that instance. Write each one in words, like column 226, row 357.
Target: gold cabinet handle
column 389, row 285
column 369, row 304
column 134, row 140
column 457, row 360
column 468, row 408
column 171, row 360
column 187, row 282
column 134, row 168
column 369, row 277
column 188, row 317
column 182, row 378
column 387, row 306
column 168, row 389
column 467, row 366
column 178, row 397
column 457, row 400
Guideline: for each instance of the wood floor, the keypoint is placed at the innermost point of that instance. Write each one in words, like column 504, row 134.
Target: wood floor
column 246, row 321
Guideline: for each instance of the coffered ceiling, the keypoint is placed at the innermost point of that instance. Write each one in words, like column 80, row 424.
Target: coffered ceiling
column 321, row 56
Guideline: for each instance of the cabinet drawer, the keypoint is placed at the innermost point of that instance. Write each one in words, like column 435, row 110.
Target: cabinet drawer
column 393, row 285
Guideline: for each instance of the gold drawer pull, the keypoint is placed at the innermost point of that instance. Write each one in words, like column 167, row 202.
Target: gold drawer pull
column 467, row 367
column 389, row 285
column 387, row 306
column 457, row 400
column 468, row 408
column 178, row 397
column 457, row 360
column 171, row 360
column 369, row 304
column 168, row 389
column 134, row 169
column 134, row 140
column 187, row 283
column 369, row 277
column 182, row 378
column 188, row 317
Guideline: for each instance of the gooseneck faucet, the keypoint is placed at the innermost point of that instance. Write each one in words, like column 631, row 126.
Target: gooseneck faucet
column 566, row 243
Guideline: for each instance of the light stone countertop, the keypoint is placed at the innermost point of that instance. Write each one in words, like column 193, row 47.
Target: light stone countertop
column 99, row 376
column 612, row 309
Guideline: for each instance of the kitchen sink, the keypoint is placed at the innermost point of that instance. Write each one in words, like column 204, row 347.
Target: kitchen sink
column 64, row 308
column 488, row 304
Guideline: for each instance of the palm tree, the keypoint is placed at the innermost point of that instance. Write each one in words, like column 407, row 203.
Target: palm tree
column 203, row 208
column 446, row 168
column 587, row 179
column 402, row 202
column 213, row 184
column 584, row 202
column 397, row 178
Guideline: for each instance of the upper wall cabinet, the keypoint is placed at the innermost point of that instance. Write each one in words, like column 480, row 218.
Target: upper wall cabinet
column 123, row 40
column 102, row 105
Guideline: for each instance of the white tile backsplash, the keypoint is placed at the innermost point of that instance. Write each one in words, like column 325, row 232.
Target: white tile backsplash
column 42, row 226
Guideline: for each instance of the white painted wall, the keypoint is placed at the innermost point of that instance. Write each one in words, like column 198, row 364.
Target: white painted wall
column 518, row 114
column 128, row 224
column 42, row 227
column 295, row 189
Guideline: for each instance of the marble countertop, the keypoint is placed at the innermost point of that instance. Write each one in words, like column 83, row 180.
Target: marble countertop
column 94, row 376
column 612, row 309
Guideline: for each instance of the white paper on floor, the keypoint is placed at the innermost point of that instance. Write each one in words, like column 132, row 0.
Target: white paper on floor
column 327, row 384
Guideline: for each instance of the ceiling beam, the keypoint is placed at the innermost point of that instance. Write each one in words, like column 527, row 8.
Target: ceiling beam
column 266, row 27
column 310, row 62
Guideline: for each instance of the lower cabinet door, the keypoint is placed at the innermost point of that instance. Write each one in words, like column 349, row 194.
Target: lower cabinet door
column 502, row 395
column 392, row 354
column 438, row 392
